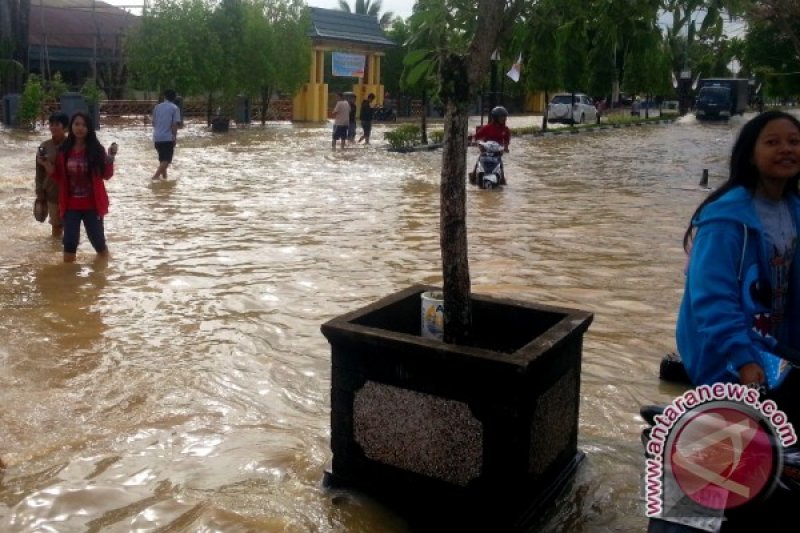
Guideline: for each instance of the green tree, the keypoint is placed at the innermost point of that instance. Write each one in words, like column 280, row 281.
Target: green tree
column 768, row 55
column 174, row 46
column 642, row 66
column 367, row 7
column 573, row 44
column 228, row 25
column 681, row 35
column 277, row 50
column 31, row 101
column 537, row 35
column 782, row 15
column 56, row 87
column 392, row 64
column 14, row 24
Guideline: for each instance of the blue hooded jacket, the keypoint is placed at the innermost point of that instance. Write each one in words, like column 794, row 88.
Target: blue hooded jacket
column 723, row 322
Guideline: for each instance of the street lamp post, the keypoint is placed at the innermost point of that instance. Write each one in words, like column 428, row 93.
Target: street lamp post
column 684, row 88
column 493, row 80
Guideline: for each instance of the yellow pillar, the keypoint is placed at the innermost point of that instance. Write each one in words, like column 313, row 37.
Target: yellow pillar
column 311, row 103
column 372, row 82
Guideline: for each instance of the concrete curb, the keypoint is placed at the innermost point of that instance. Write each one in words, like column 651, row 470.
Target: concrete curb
column 548, row 133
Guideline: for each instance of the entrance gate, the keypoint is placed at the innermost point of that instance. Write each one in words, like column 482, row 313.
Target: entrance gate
column 339, row 31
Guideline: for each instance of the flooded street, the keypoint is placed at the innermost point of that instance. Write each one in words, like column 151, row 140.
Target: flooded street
column 184, row 385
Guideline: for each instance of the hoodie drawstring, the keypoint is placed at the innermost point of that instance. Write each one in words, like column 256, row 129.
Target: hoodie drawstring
column 744, row 248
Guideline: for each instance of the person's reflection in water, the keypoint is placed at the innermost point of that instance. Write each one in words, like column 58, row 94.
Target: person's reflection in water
column 70, row 319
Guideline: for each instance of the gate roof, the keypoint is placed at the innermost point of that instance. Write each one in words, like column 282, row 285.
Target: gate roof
column 341, row 27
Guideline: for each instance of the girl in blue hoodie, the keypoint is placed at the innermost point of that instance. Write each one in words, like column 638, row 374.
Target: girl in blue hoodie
column 741, row 300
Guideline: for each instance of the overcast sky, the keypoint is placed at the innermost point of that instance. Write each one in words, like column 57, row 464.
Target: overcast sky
column 398, row 7
column 401, row 8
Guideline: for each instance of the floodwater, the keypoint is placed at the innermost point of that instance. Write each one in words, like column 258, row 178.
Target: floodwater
column 184, row 385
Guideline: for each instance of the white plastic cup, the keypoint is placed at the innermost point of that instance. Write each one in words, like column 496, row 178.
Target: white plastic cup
column 432, row 315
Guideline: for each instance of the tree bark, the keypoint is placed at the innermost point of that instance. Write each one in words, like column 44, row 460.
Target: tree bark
column 453, row 208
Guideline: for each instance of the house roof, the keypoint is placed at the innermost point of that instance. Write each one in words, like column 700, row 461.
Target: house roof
column 76, row 23
column 350, row 28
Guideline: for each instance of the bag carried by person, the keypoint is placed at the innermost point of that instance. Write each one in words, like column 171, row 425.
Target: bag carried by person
column 40, row 209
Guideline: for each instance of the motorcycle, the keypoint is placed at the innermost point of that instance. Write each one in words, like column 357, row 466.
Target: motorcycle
column 769, row 511
column 488, row 172
column 384, row 113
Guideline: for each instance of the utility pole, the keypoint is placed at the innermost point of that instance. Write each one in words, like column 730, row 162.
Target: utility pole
column 493, row 80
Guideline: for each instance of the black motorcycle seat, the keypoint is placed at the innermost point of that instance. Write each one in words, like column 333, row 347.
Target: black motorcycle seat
column 649, row 413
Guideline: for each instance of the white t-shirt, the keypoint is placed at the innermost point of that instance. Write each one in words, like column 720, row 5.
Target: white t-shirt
column 165, row 115
column 341, row 113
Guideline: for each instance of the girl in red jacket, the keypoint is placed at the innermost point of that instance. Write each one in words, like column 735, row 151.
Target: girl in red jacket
column 80, row 169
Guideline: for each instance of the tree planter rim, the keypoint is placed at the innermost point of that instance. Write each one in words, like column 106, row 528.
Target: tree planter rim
column 574, row 321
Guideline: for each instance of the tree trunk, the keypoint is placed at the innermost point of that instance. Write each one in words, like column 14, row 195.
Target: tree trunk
column 424, row 116
column 544, row 118
column 264, row 104
column 453, row 208
column 459, row 77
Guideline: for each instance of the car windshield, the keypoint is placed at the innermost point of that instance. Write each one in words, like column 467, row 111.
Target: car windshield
column 717, row 95
column 562, row 99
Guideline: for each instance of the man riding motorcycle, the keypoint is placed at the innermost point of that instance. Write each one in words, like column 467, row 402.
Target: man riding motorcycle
column 495, row 130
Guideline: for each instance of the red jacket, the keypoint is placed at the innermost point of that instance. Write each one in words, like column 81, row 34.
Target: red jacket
column 101, row 201
column 494, row 132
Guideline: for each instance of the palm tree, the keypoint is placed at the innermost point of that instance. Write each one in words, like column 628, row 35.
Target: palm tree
column 367, row 7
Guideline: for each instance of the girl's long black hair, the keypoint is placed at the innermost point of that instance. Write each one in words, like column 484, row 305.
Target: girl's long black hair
column 742, row 170
column 95, row 153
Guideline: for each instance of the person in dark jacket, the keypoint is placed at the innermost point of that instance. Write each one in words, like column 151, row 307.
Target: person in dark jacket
column 366, row 118
column 46, row 188
column 351, row 129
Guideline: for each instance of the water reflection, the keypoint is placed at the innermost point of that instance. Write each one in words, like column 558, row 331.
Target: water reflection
column 184, row 386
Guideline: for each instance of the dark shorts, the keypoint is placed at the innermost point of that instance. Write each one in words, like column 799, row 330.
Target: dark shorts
column 351, row 131
column 165, row 149
column 339, row 132
column 367, row 126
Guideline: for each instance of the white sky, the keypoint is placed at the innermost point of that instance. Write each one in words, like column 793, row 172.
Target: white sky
column 401, row 8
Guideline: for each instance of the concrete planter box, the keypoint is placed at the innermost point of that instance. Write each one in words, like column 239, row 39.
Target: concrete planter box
column 485, row 433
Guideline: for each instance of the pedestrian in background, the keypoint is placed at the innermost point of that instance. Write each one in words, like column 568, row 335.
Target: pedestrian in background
column 341, row 120
column 80, row 170
column 351, row 123
column 166, row 118
column 366, row 118
column 46, row 188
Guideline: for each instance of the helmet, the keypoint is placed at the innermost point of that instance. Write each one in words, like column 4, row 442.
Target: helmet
column 499, row 112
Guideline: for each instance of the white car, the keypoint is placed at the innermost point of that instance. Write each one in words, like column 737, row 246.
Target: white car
column 584, row 111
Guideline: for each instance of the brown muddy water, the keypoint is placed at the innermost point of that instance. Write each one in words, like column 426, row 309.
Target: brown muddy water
column 184, row 385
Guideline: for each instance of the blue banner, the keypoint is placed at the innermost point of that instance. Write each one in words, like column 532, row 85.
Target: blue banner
column 347, row 65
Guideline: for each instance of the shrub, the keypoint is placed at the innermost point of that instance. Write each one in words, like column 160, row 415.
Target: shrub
column 57, row 87
column 31, row 101
column 92, row 92
column 404, row 136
